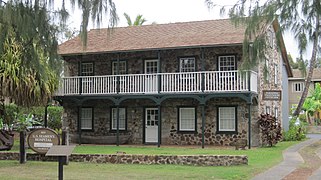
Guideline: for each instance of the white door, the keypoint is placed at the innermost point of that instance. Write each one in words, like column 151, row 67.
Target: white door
column 151, row 125
column 151, row 68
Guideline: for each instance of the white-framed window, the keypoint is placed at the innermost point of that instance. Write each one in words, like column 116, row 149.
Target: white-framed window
column 266, row 70
column 87, row 118
column 122, row 118
column 298, row 87
column 226, row 63
column 122, row 67
column 276, row 113
column 227, row 119
column 187, row 119
column 187, row 64
column 267, row 110
column 87, row 69
column 276, row 67
column 151, row 66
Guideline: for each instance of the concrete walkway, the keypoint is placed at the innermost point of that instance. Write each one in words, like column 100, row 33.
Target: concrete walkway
column 291, row 160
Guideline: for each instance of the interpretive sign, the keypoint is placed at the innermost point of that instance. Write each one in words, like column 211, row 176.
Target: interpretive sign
column 271, row 95
column 40, row 140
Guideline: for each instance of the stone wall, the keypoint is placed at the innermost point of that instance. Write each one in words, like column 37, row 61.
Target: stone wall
column 135, row 108
column 169, row 130
column 169, row 60
column 195, row 160
column 270, row 81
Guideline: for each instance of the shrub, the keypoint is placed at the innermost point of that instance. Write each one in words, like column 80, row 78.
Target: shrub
column 270, row 128
column 10, row 110
column 296, row 132
column 54, row 115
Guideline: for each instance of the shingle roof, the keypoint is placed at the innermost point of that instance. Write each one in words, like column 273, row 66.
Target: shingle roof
column 298, row 75
column 158, row 36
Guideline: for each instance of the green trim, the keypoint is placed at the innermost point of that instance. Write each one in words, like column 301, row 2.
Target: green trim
column 179, row 62
column 218, row 120
column 92, row 119
column 153, row 49
column 115, row 60
column 111, row 119
column 249, row 126
column 144, row 124
column 158, row 98
column 178, row 120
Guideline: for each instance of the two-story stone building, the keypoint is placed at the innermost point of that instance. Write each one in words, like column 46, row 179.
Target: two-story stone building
column 175, row 83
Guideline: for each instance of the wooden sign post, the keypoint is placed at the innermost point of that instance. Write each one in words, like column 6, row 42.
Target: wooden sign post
column 61, row 152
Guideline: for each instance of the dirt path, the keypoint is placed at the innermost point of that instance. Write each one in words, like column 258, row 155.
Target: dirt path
column 312, row 162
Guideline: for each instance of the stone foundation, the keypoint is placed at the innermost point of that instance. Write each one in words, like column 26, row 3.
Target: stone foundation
column 195, row 160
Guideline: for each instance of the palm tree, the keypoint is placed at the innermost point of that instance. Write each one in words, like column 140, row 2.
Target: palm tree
column 29, row 63
column 138, row 21
column 301, row 17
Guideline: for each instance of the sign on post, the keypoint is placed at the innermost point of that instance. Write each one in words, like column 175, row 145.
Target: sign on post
column 40, row 140
column 62, row 152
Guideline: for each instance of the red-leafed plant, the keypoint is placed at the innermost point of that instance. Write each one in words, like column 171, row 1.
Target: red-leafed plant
column 270, row 128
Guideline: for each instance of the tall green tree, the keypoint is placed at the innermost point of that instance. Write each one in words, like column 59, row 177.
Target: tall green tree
column 139, row 20
column 301, row 17
column 29, row 29
column 312, row 103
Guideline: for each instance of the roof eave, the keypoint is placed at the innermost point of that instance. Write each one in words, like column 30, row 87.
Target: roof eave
column 150, row 49
column 276, row 27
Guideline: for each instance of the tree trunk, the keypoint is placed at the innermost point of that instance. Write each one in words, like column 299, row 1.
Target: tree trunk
column 311, row 67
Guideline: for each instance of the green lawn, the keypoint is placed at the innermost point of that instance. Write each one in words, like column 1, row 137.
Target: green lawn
column 260, row 159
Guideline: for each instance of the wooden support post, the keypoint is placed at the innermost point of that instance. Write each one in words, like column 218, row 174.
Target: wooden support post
column 79, row 125
column 61, row 167
column 23, row 155
column 159, row 126
column 46, row 116
column 203, row 69
column 249, row 128
column 203, row 125
column 117, row 127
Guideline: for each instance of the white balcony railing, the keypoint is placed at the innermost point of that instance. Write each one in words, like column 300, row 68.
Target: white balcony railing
column 192, row 82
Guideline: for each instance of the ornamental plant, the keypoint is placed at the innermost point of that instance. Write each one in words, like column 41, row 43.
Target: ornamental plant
column 296, row 132
column 271, row 130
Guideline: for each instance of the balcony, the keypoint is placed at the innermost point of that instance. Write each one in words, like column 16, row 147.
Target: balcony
column 160, row 83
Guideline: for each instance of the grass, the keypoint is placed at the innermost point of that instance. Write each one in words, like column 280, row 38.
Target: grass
column 260, row 159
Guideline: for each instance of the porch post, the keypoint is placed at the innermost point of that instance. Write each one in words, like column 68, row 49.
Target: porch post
column 80, row 75
column 249, row 125
column 203, row 125
column 203, row 69
column 117, row 126
column 118, row 78
column 158, row 71
column 159, row 119
column 79, row 125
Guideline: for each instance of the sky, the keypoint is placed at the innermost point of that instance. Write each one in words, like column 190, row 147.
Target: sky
column 171, row 11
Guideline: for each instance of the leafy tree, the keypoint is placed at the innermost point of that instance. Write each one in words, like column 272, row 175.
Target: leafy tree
column 312, row 103
column 299, row 64
column 29, row 63
column 138, row 21
column 302, row 17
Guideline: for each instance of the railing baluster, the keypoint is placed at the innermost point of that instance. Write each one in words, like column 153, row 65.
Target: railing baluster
column 206, row 81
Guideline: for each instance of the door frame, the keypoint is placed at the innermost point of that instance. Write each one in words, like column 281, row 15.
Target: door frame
column 144, row 124
column 154, row 80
